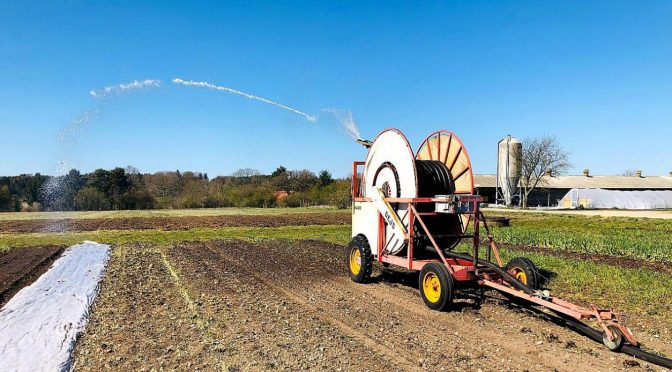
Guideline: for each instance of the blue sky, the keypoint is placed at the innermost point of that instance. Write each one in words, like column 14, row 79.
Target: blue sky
column 598, row 75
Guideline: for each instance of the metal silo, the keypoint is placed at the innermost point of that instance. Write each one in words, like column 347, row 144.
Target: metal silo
column 509, row 165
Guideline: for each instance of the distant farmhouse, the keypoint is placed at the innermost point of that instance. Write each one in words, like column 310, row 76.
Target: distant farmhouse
column 587, row 191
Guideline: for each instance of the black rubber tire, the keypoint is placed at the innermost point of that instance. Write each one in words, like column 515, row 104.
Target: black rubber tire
column 446, row 282
column 528, row 267
column 360, row 243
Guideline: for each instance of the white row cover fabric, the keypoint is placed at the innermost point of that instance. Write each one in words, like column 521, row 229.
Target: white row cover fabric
column 40, row 324
column 616, row 199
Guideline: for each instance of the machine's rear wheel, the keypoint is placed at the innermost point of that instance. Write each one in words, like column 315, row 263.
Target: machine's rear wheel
column 358, row 259
column 525, row 271
column 436, row 286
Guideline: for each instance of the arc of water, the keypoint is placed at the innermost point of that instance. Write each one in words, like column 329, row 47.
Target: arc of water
column 205, row 84
column 120, row 88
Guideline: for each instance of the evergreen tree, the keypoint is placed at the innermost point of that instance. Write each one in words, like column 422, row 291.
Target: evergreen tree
column 325, row 177
column 5, row 198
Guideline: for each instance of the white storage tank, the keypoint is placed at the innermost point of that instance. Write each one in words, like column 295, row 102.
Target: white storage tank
column 509, row 166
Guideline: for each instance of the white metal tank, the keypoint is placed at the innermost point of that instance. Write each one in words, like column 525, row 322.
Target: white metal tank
column 509, row 166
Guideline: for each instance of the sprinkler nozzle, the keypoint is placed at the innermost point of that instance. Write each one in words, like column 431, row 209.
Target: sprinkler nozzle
column 363, row 142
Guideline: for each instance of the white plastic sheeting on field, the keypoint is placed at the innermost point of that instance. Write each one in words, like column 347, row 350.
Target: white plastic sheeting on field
column 610, row 199
column 40, row 324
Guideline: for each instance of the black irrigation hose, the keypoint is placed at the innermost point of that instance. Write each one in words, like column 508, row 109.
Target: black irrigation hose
column 626, row 349
column 434, row 178
column 648, row 357
column 569, row 322
column 505, row 274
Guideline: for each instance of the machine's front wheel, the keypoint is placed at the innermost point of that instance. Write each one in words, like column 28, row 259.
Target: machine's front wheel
column 358, row 259
column 525, row 271
column 436, row 286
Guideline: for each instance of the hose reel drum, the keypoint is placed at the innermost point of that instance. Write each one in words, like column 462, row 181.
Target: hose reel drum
column 440, row 167
column 406, row 200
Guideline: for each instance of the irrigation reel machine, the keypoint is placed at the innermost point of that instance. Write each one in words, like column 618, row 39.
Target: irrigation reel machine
column 412, row 209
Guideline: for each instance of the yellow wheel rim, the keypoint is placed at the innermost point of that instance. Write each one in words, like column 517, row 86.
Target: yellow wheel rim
column 355, row 260
column 431, row 287
column 520, row 275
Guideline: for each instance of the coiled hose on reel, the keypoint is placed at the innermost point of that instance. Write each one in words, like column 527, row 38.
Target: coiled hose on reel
column 433, row 179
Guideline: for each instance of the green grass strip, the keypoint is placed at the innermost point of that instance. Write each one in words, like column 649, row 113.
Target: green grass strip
column 642, row 238
column 636, row 291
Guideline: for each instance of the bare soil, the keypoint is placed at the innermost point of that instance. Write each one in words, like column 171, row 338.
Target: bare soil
column 289, row 305
column 140, row 321
column 20, row 267
column 173, row 223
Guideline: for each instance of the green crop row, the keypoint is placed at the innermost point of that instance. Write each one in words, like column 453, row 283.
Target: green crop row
column 647, row 239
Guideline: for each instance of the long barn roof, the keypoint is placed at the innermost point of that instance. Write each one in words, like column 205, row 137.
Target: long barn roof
column 589, row 182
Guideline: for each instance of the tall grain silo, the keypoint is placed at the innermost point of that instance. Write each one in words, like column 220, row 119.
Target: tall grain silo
column 509, row 166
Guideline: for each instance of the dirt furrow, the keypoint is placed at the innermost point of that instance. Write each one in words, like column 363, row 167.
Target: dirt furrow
column 141, row 322
column 22, row 266
column 268, row 327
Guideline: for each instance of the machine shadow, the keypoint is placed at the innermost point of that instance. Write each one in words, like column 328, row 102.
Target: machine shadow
column 465, row 298
column 545, row 276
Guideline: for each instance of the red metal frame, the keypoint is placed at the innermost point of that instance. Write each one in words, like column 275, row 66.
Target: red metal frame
column 355, row 180
column 470, row 271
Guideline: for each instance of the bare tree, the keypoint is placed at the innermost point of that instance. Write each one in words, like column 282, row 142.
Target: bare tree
column 132, row 170
column 628, row 173
column 541, row 156
column 245, row 172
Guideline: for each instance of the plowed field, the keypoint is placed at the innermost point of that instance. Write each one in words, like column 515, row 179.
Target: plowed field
column 285, row 305
column 173, row 223
column 20, row 267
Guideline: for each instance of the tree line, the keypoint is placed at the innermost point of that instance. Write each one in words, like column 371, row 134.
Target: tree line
column 127, row 188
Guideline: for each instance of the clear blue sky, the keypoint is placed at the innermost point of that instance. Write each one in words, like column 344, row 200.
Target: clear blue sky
column 598, row 75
